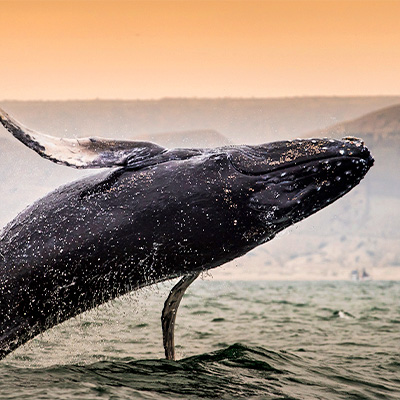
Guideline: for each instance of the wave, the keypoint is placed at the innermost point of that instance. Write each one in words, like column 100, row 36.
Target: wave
column 237, row 371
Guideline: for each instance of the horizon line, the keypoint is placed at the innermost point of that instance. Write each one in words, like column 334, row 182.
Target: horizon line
column 201, row 98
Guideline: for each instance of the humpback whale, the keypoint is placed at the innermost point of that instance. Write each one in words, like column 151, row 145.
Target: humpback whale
column 154, row 215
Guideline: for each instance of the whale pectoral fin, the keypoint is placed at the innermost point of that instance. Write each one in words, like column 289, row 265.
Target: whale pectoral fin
column 169, row 313
column 82, row 153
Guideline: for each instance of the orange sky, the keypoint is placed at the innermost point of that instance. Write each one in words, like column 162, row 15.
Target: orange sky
column 153, row 49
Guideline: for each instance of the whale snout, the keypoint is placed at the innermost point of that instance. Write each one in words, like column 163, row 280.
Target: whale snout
column 355, row 147
column 295, row 179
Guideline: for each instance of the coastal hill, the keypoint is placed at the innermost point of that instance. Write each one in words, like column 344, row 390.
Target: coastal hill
column 380, row 130
column 377, row 125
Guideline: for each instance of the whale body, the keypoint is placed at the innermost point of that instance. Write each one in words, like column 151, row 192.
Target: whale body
column 156, row 215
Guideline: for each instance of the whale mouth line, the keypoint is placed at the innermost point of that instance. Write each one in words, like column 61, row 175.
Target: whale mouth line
column 368, row 162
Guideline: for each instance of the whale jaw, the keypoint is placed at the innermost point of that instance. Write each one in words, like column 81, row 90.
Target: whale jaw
column 306, row 177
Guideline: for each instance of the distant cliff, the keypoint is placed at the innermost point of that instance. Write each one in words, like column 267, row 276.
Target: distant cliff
column 383, row 124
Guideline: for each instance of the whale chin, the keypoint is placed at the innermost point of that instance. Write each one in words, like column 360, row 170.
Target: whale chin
column 302, row 183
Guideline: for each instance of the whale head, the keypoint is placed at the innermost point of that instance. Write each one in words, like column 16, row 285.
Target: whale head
column 291, row 180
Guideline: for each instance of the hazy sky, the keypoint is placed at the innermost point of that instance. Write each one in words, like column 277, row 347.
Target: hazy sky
column 153, row 49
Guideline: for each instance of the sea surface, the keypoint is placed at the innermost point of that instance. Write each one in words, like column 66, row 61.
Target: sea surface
column 261, row 340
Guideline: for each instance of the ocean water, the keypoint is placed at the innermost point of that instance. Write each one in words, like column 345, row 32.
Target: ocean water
column 261, row 340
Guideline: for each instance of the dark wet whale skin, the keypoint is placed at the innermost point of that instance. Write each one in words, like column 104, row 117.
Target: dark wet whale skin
column 183, row 211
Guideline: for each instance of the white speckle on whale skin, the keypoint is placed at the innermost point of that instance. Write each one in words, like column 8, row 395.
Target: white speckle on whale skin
column 283, row 173
column 338, row 178
column 341, row 152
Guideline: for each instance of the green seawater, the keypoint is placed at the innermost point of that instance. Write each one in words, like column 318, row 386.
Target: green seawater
column 262, row 340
